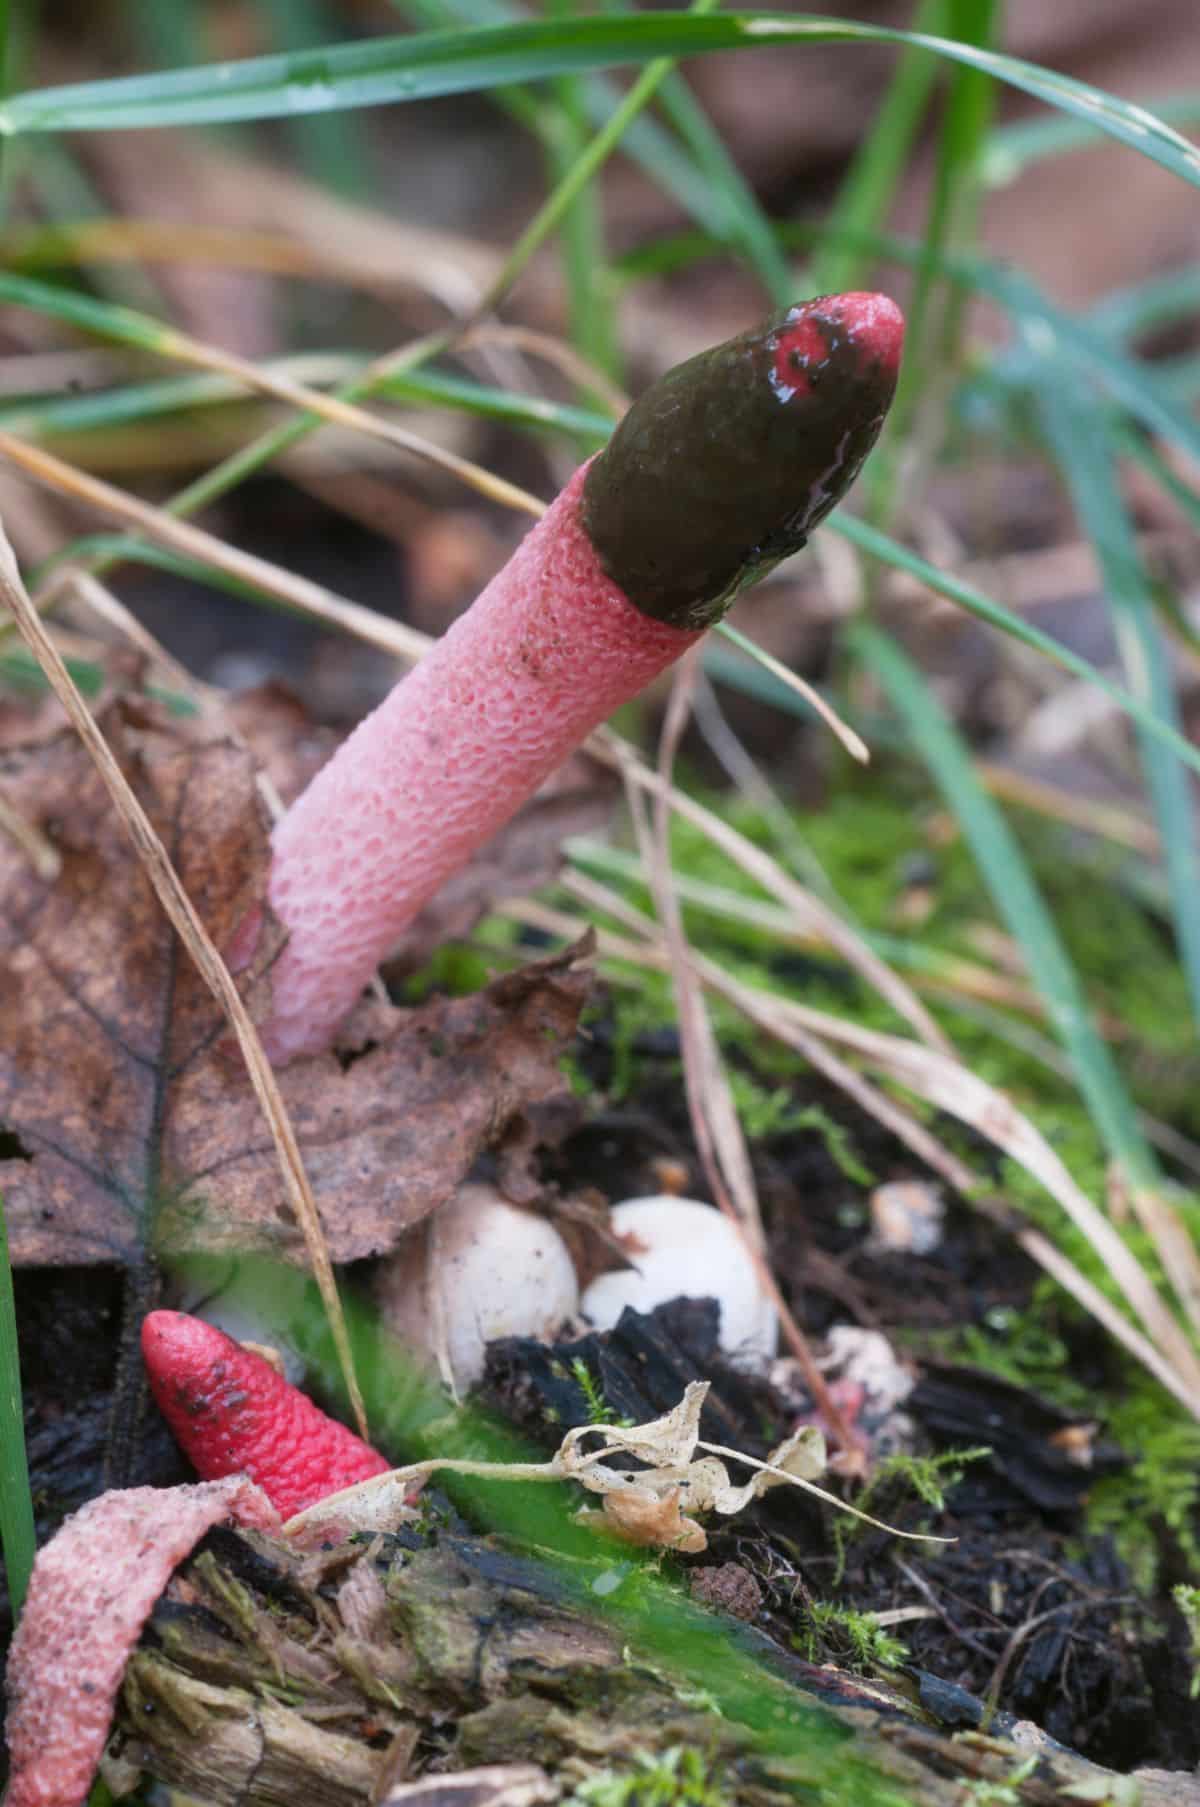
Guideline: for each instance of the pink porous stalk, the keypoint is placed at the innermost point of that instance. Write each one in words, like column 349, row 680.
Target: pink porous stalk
column 93, row 1587
column 555, row 644
column 545, row 654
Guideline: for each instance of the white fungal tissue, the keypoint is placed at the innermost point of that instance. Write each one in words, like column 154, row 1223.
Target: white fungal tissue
column 681, row 1248
column 478, row 1269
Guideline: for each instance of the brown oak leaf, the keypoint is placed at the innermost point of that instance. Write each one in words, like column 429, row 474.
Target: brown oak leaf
column 125, row 1120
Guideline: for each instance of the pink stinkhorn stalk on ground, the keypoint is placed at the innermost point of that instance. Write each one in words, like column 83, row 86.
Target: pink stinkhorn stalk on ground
column 721, row 469
column 93, row 1587
column 231, row 1414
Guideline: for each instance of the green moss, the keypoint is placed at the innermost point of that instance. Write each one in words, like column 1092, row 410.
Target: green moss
column 451, row 969
column 598, row 1409
column 853, row 1640
column 895, row 1481
column 1161, row 1487
column 1187, row 1599
column 679, row 1777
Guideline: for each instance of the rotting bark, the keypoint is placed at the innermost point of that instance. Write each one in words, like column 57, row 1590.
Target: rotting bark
column 396, row 1669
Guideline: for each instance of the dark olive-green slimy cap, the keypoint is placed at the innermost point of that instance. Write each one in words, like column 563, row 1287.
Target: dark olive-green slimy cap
column 726, row 464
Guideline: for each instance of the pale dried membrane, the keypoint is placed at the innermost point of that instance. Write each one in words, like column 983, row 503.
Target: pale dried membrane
column 654, row 1505
column 657, row 1504
column 682, row 1474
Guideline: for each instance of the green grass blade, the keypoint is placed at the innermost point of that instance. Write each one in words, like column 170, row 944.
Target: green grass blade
column 330, row 148
column 520, row 103
column 6, row 64
column 583, row 243
column 1147, row 306
column 1075, row 432
column 382, row 70
column 702, row 177
column 747, row 228
column 1015, row 894
column 21, row 671
column 1015, row 148
column 1049, row 334
column 16, row 1505
column 879, row 545
column 1136, row 447
column 878, row 165
column 468, row 397
column 721, row 203
column 969, row 110
column 935, row 311
column 105, row 319
column 80, row 414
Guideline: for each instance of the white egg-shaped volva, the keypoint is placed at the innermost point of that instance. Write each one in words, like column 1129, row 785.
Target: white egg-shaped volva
column 683, row 1249
column 478, row 1269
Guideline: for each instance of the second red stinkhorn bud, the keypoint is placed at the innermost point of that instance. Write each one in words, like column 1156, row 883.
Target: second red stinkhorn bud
column 721, row 469
column 231, row 1413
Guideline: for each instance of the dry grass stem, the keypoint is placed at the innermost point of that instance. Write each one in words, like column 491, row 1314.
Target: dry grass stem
column 301, row 593
column 714, row 1117
column 808, row 912
column 711, row 1109
column 1052, row 1261
column 1174, row 1245
column 187, row 924
column 854, row 744
column 953, row 977
column 1109, row 820
column 758, row 1008
column 265, row 381
column 560, row 355
column 946, row 1084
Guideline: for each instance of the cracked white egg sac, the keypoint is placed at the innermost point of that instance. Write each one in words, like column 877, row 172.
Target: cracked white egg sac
column 478, row 1269
column 683, row 1249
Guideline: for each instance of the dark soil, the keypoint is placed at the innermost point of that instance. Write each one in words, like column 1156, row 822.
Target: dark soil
column 1023, row 1616
column 1026, row 1614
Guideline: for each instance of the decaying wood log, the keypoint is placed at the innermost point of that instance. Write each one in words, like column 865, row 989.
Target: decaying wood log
column 448, row 1672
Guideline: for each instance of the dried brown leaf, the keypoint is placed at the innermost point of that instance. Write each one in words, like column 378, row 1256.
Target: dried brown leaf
column 386, row 1140
column 649, row 1520
column 123, row 1116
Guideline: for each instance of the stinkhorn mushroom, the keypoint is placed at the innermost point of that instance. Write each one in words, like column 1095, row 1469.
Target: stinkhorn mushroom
column 93, row 1587
column 231, row 1413
column 721, row 469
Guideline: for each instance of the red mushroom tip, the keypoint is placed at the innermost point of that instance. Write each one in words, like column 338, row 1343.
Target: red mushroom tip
column 874, row 324
column 850, row 340
column 231, row 1413
column 725, row 465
